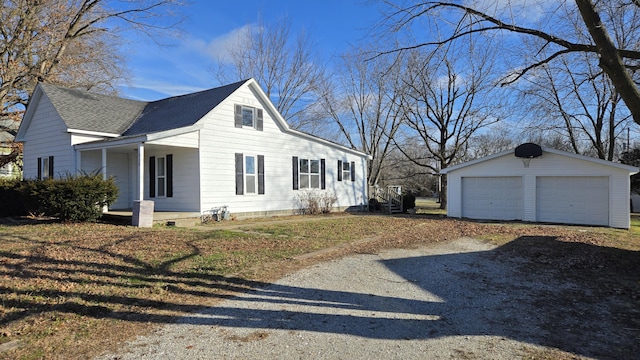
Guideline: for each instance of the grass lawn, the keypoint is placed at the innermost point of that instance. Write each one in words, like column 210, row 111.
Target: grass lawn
column 74, row 291
column 429, row 206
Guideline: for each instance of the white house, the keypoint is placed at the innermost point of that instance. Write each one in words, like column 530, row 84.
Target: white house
column 554, row 187
column 223, row 146
column 7, row 128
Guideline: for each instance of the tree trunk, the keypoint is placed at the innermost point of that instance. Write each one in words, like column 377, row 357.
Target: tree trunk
column 610, row 59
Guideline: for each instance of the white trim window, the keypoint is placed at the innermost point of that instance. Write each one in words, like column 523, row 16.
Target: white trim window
column 309, row 174
column 45, row 168
column 248, row 117
column 346, row 171
column 161, row 177
column 250, row 174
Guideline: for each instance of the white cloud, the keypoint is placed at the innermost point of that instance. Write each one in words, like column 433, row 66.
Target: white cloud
column 184, row 68
column 218, row 48
column 150, row 90
column 444, row 81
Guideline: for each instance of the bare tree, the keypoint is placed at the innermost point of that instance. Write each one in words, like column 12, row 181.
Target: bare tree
column 461, row 19
column 363, row 102
column 399, row 170
column 73, row 43
column 284, row 66
column 575, row 101
column 446, row 101
column 496, row 139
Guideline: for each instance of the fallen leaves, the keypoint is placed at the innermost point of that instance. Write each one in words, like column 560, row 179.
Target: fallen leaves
column 59, row 278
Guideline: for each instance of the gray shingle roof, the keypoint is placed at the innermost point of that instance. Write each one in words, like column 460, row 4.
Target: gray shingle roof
column 83, row 110
column 179, row 111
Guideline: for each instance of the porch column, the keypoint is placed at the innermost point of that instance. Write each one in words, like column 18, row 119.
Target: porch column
column 141, row 171
column 142, row 209
column 104, row 164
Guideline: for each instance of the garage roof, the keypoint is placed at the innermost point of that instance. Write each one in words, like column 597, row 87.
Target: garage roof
column 632, row 170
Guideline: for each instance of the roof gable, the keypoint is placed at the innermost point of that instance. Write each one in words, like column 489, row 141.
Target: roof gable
column 630, row 169
column 84, row 110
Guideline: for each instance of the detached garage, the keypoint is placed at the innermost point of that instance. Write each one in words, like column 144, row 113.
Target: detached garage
column 538, row 184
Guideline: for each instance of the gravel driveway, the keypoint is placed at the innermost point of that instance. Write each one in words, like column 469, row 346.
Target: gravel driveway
column 451, row 300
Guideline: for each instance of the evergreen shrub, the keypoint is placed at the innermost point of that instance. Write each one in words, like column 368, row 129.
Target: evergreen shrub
column 12, row 201
column 408, row 201
column 71, row 199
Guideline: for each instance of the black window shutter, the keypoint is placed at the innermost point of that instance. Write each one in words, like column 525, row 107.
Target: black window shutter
column 261, row 174
column 169, row 175
column 238, row 116
column 353, row 171
column 239, row 174
column 152, row 176
column 39, row 168
column 259, row 121
column 51, row 167
column 322, row 175
column 339, row 170
column 294, row 164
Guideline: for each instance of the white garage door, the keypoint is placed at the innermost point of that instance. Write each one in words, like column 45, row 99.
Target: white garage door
column 493, row 198
column 573, row 200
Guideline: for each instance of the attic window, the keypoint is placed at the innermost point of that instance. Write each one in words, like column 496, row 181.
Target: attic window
column 248, row 117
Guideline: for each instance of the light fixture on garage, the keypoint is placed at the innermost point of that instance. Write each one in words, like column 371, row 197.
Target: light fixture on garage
column 528, row 151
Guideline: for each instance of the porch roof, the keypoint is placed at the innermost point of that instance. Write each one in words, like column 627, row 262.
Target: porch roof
column 134, row 140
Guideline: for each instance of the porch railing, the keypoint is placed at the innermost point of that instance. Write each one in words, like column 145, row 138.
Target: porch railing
column 389, row 197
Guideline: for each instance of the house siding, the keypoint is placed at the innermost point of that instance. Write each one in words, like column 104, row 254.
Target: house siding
column 117, row 167
column 221, row 140
column 47, row 136
column 188, row 140
column 549, row 164
column 186, row 193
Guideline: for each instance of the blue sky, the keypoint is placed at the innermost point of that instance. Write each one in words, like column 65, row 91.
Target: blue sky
column 184, row 66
